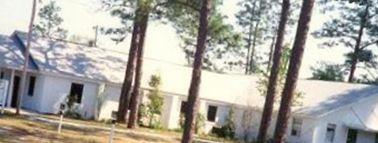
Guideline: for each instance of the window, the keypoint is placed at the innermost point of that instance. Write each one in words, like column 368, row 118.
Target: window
column 352, row 136
column 296, row 127
column 184, row 106
column 1, row 75
column 330, row 135
column 211, row 113
column 77, row 91
column 31, row 85
column 376, row 138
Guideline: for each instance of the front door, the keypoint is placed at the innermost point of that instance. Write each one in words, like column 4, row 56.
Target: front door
column 16, row 86
column 352, row 136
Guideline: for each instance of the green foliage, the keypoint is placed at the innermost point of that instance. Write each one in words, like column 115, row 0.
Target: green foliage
column 366, row 80
column 343, row 30
column 50, row 21
column 125, row 11
column 264, row 80
column 328, row 72
column 252, row 19
column 73, row 114
column 222, row 41
column 142, row 113
column 156, row 125
column 155, row 96
column 259, row 20
column 365, row 56
column 72, row 111
column 200, row 123
column 228, row 129
column 71, row 100
column 152, row 110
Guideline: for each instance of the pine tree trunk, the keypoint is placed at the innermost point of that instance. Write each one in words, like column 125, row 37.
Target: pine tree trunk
column 271, row 52
column 134, row 101
column 252, row 64
column 358, row 43
column 26, row 61
column 271, row 91
column 353, row 65
column 249, row 49
column 127, row 83
column 293, row 71
column 249, row 43
column 192, row 108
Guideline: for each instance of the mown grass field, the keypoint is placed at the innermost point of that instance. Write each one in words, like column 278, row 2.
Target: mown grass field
column 19, row 129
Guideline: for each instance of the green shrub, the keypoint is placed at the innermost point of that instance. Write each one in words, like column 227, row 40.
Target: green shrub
column 228, row 129
column 73, row 114
column 142, row 114
column 156, row 125
column 200, row 122
column 151, row 111
column 72, row 111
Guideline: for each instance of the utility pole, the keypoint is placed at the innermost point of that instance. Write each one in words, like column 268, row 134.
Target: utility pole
column 96, row 36
column 26, row 61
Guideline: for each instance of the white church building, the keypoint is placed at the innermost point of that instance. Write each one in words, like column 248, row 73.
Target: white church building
column 331, row 112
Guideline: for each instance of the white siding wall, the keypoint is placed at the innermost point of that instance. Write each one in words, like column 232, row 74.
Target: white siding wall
column 110, row 104
column 247, row 129
column 56, row 89
column 171, row 106
column 28, row 102
column 341, row 129
column 171, row 112
column 33, row 102
column 307, row 131
column 7, row 76
column 221, row 115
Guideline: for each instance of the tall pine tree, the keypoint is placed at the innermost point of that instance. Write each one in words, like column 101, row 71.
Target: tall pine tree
column 355, row 28
column 284, row 112
column 273, row 78
column 193, row 97
column 49, row 24
column 258, row 20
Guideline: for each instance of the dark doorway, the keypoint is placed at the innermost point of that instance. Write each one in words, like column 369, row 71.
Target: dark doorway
column 16, row 86
column 352, row 136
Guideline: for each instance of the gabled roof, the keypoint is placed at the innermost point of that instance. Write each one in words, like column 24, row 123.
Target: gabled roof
column 76, row 60
column 11, row 55
column 320, row 97
column 323, row 97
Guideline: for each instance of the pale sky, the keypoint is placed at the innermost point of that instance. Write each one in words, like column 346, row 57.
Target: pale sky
column 161, row 42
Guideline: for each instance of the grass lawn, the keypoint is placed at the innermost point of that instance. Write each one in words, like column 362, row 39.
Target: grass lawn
column 19, row 129
column 174, row 134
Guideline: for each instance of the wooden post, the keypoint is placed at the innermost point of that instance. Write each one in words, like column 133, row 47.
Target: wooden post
column 10, row 89
column 111, row 136
column 60, row 123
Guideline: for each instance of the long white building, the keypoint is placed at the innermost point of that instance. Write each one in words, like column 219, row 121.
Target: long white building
column 331, row 112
